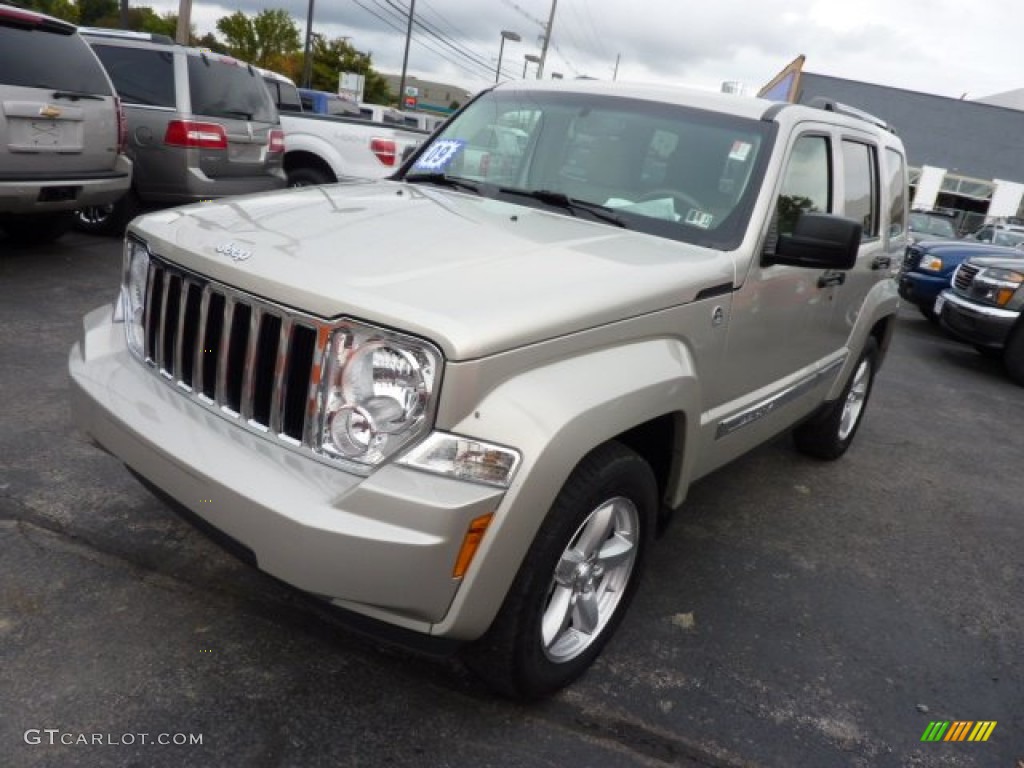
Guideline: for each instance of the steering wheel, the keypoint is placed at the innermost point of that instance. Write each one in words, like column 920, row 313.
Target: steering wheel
column 678, row 196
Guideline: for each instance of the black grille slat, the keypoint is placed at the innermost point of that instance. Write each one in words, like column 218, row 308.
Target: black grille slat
column 302, row 350
column 245, row 357
column 965, row 276
column 211, row 344
column 262, row 370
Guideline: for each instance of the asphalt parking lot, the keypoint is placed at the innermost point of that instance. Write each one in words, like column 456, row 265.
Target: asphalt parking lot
column 794, row 614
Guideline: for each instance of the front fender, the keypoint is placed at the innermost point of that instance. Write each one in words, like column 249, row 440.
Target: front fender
column 554, row 415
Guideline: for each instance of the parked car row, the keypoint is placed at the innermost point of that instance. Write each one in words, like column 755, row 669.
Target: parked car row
column 62, row 128
column 973, row 288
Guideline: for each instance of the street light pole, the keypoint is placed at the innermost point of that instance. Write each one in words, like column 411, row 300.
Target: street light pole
column 505, row 35
column 530, row 58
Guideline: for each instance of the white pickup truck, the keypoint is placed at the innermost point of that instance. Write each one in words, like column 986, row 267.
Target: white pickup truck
column 320, row 149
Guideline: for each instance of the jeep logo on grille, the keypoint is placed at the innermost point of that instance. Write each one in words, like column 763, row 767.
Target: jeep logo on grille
column 236, row 252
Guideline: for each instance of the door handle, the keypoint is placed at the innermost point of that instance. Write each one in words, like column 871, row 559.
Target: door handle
column 831, row 278
column 881, row 262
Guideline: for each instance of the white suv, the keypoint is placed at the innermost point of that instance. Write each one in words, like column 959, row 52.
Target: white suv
column 62, row 131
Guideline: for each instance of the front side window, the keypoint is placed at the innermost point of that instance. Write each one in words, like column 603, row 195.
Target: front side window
column 668, row 170
column 860, row 187
column 807, row 182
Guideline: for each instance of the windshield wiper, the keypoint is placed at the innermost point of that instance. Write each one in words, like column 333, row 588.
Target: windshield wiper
column 571, row 204
column 76, row 95
column 444, row 180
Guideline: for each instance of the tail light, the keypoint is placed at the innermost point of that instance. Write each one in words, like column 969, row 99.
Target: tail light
column 189, row 133
column 276, row 141
column 385, row 150
column 122, row 127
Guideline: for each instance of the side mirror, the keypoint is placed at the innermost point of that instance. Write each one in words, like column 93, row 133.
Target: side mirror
column 819, row 241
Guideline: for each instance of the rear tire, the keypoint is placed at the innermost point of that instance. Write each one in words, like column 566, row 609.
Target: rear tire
column 110, row 219
column 308, row 177
column 829, row 433
column 36, row 228
column 577, row 579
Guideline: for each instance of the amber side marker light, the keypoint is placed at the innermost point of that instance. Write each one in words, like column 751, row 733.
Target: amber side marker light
column 470, row 544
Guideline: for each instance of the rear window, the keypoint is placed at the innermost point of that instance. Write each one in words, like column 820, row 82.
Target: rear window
column 140, row 76
column 38, row 59
column 226, row 89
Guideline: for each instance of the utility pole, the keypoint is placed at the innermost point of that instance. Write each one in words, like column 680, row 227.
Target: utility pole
column 405, row 59
column 184, row 22
column 547, row 39
column 307, row 60
column 615, row 74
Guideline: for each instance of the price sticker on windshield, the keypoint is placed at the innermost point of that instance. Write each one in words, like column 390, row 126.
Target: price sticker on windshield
column 440, row 155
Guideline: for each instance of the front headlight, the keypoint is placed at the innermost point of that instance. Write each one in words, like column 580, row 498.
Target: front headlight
column 377, row 395
column 998, row 285
column 133, row 294
column 930, row 263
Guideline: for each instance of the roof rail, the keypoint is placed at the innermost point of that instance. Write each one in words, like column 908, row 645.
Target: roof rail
column 127, row 34
column 820, row 102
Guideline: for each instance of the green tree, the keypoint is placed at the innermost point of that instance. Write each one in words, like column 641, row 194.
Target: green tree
column 90, row 12
column 143, row 19
column 62, row 9
column 262, row 40
column 332, row 57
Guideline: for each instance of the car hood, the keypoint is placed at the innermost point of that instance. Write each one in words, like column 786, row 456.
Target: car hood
column 475, row 275
column 1013, row 260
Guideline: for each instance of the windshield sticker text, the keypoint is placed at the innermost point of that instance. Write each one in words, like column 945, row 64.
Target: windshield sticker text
column 440, row 155
column 700, row 219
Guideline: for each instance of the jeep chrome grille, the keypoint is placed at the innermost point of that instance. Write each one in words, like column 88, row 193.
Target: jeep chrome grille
column 251, row 360
column 964, row 276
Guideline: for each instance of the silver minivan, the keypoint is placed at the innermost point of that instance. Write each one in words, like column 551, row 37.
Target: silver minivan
column 201, row 125
column 62, row 130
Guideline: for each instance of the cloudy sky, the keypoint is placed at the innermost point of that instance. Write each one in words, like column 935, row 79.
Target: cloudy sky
column 935, row 46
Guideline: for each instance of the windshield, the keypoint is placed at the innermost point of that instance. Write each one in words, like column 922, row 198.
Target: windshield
column 931, row 225
column 667, row 170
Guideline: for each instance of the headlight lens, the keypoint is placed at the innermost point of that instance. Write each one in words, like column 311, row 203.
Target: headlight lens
column 464, row 458
column 998, row 285
column 378, row 394
column 931, row 263
column 133, row 294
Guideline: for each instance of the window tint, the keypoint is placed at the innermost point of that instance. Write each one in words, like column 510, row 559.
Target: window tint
column 140, row 76
column 225, row 89
column 860, row 187
column 39, row 59
column 807, row 185
column 898, row 194
column 285, row 95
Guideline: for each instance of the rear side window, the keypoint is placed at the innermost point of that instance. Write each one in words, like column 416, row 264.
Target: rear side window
column 860, row 174
column 140, row 76
column 39, row 59
column 898, row 194
column 225, row 89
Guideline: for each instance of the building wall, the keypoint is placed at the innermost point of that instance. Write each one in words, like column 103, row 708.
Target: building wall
column 432, row 95
column 967, row 138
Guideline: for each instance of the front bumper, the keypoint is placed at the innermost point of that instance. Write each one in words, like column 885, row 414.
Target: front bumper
column 383, row 546
column 979, row 324
column 921, row 289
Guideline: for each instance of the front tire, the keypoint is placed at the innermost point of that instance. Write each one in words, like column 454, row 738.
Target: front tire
column 1013, row 355
column 829, row 433
column 577, row 579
